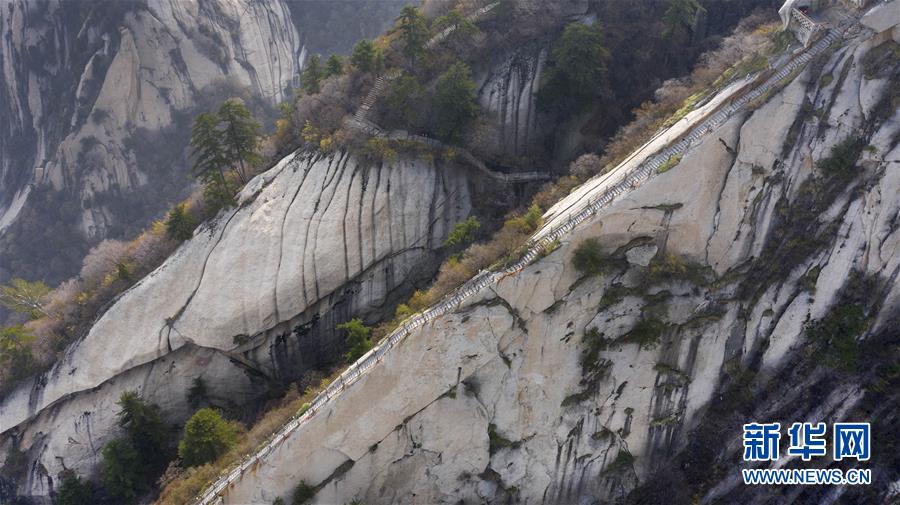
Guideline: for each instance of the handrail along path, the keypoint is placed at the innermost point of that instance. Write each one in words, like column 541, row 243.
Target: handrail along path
column 536, row 247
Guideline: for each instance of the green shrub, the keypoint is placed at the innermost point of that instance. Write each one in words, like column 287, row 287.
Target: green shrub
column 646, row 332
column 669, row 268
column 836, row 335
column 497, row 441
column 303, row 493
column 589, row 258
column 180, row 224
column 73, row 491
column 206, row 437
column 842, row 158
column 16, row 360
column 528, row 222
column 378, row 148
column 623, row 460
column 669, row 163
column 463, row 233
column 357, row 341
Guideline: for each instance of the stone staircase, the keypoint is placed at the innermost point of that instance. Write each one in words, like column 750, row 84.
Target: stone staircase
column 575, row 214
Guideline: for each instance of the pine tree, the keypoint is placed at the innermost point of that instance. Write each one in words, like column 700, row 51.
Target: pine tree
column 145, row 428
column 180, row 223
column 454, row 102
column 206, row 147
column 462, row 28
column 311, row 75
column 334, row 66
column 240, row 135
column 131, row 464
column 123, row 472
column 413, row 32
column 73, row 491
column 363, row 57
column 463, row 233
column 679, row 21
column 403, row 102
column 576, row 68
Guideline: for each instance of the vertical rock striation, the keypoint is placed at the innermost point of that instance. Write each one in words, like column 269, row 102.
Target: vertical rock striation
column 251, row 300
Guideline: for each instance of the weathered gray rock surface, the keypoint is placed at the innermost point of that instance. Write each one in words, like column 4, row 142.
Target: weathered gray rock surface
column 92, row 90
column 499, row 401
column 254, row 296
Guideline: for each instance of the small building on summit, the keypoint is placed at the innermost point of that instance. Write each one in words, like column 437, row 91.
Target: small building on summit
column 801, row 16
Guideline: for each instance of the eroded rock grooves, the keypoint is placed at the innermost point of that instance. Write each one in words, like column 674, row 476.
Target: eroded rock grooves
column 482, row 420
column 253, row 298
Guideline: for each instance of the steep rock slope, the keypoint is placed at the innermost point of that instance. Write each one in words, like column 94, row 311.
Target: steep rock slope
column 252, row 298
column 553, row 387
column 507, row 92
column 91, row 88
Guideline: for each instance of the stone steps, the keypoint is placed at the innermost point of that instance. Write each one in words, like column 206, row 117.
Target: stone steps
column 450, row 302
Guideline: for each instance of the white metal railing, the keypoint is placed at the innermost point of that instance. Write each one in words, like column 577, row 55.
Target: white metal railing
column 805, row 27
column 627, row 182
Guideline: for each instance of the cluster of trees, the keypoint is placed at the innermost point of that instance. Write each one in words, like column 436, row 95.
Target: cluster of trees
column 132, row 463
column 435, row 95
column 225, row 149
column 576, row 70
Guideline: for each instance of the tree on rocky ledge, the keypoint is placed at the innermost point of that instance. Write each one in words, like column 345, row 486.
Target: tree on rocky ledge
column 357, row 342
column 334, row 66
column 363, row 57
column 73, row 490
column 311, row 75
column 576, row 69
column 240, row 135
column 413, row 32
column 206, row 437
column 180, row 224
column 227, row 139
column 454, row 102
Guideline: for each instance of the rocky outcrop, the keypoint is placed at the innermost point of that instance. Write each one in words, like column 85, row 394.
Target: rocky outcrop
column 507, row 92
column 556, row 388
column 252, row 299
column 91, row 90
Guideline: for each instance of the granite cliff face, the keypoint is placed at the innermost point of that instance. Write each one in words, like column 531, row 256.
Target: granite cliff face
column 553, row 387
column 253, row 298
column 93, row 89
